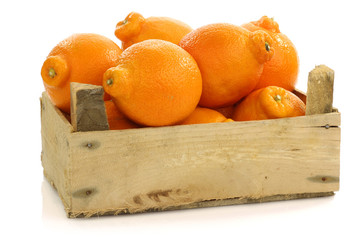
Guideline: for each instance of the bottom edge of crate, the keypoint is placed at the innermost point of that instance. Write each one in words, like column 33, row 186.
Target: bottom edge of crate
column 201, row 204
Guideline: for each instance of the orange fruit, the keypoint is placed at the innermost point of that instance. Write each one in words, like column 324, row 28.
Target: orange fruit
column 157, row 83
column 282, row 70
column 269, row 103
column 135, row 28
column 116, row 119
column 79, row 58
column 204, row 115
column 230, row 59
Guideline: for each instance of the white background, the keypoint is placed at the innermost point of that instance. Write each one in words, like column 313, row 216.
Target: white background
column 324, row 32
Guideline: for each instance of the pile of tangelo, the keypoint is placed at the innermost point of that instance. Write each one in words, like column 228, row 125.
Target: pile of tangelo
column 166, row 73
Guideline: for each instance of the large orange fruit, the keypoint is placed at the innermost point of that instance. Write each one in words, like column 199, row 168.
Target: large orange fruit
column 205, row 115
column 269, row 103
column 117, row 120
column 282, row 70
column 79, row 58
column 157, row 83
column 230, row 59
column 135, row 28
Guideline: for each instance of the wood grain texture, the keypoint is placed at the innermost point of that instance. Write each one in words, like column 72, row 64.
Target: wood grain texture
column 205, row 204
column 320, row 90
column 202, row 165
column 55, row 133
column 87, row 107
column 140, row 169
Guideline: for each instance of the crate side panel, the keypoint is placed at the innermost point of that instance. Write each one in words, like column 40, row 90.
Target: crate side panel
column 140, row 169
column 55, row 131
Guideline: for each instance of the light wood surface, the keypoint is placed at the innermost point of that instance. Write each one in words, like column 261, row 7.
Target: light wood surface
column 87, row 107
column 136, row 170
column 55, row 134
column 201, row 165
column 320, row 90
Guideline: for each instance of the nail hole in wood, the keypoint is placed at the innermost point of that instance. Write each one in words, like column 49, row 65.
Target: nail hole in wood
column 90, row 144
column 327, row 126
column 84, row 193
column 137, row 200
column 324, row 179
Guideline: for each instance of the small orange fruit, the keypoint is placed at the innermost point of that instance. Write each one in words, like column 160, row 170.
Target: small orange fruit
column 230, row 59
column 269, row 103
column 282, row 70
column 157, row 83
column 116, row 119
column 79, row 58
column 204, row 115
column 135, row 28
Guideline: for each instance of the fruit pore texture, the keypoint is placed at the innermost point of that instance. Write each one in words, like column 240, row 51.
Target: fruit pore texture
column 269, row 103
column 157, row 83
column 81, row 58
column 135, row 28
column 230, row 59
column 282, row 70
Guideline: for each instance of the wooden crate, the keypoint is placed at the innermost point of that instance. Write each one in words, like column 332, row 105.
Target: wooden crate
column 177, row 167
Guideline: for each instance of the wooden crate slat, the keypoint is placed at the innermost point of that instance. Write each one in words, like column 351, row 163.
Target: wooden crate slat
column 178, row 167
column 55, row 132
column 173, row 166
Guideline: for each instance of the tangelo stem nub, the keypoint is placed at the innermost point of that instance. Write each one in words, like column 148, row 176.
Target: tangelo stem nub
column 52, row 73
column 277, row 98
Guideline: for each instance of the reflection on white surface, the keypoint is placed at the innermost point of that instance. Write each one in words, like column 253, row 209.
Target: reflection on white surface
column 52, row 207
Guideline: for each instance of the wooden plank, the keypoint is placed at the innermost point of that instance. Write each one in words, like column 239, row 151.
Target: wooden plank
column 205, row 204
column 320, row 90
column 87, row 107
column 137, row 170
column 55, row 130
